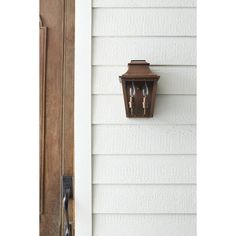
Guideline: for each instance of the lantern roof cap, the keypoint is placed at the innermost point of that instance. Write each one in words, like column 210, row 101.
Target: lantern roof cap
column 138, row 69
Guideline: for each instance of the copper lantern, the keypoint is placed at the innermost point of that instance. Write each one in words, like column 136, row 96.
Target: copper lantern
column 139, row 85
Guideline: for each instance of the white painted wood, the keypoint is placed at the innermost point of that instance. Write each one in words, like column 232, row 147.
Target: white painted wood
column 144, row 3
column 169, row 109
column 173, row 80
column 144, row 139
column 157, row 51
column 83, row 172
column 144, row 169
column 138, row 199
column 144, row 225
column 144, row 22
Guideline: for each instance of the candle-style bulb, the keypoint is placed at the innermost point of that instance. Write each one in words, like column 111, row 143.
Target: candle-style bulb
column 145, row 90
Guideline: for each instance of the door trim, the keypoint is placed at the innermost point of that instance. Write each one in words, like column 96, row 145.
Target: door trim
column 42, row 85
column 83, row 106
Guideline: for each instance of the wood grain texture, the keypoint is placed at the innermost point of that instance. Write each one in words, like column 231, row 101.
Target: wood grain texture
column 144, row 139
column 144, row 169
column 169, row 109
column 157, row 51
column 144, row 3
column 42, row 82
column 68, row 98
column 144, row 22
column 140, row 199
column 68, row 88
column 58, row 17
column 173, row 79
column 50, row 220
column 139, row 225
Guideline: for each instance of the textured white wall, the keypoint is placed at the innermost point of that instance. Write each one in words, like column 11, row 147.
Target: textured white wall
column 144, row 169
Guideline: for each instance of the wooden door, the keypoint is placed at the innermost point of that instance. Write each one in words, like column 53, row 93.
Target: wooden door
column 56, row 110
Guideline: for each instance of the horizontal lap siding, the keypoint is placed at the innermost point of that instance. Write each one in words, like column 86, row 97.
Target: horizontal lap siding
column 144, row 3
column 144, row 225
column 175, row 109
column 144, row 139
column 143, row 22
column 173, row 79
column 144, row 169
column 148, row 199
column 157, row 51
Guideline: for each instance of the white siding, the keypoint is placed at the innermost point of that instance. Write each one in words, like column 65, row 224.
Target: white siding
column 144, row 225
column 144, row 3
column 144, row 139
column 155, row 50
column 140, row 22
column 144, row 199
column 174, row 79
column 175, row 109
column 144, row 170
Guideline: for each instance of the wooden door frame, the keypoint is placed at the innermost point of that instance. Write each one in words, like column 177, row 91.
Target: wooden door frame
column 83, row 118
column 56, row 110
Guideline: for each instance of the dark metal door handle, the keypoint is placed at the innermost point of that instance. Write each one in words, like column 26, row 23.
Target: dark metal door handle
column 65, row 206
column 67, row 194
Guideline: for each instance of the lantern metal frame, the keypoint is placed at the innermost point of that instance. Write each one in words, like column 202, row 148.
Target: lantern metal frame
column 139, row 86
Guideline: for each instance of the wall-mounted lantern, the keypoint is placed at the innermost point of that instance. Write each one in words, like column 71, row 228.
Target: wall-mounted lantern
column 139, row 85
